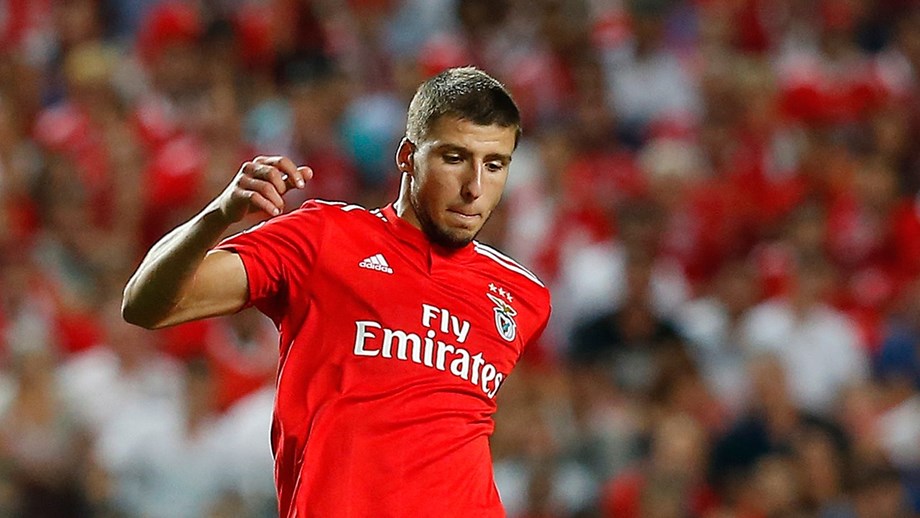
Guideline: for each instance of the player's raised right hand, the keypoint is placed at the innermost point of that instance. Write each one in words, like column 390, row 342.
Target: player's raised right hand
column 259, row 186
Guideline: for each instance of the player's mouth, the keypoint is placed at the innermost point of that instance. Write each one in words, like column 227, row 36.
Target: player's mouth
column 464, row 216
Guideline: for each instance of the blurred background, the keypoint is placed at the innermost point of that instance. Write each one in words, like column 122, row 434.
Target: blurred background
column 721, row 194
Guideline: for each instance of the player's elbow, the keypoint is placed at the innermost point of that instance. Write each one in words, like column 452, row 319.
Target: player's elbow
column 131, row 315
column 134, row 313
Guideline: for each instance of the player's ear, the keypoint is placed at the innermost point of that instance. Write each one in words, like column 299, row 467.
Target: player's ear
column 404, row 158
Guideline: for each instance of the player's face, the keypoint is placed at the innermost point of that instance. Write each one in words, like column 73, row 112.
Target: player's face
column 458, row 172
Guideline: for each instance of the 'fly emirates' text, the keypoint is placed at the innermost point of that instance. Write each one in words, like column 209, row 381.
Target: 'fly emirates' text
column 372, row 339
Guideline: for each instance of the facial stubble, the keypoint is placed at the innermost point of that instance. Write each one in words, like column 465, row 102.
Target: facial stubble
column 437, row 235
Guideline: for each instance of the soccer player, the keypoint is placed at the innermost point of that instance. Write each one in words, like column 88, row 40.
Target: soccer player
column 397, row 328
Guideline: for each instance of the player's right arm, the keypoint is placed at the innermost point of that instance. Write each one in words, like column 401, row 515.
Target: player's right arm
column 181, row 278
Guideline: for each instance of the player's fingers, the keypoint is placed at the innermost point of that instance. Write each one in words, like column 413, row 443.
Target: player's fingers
column 266, row 189
column 292, row 174
column 289, row 171
column 258, row 201
column 272, row 175
column 299, row 178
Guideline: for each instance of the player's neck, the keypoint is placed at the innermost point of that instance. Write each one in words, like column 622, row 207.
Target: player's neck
column 403, row 206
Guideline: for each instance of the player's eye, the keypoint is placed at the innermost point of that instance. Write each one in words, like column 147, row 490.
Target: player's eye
column 495, row 167
column 452, row 158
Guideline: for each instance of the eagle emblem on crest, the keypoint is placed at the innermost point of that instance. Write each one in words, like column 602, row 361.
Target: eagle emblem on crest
column 504, row 318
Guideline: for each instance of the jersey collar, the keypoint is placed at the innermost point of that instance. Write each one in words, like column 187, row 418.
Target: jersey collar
column 406, row 232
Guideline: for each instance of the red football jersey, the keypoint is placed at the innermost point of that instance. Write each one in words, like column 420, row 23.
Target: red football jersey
column 392, row 352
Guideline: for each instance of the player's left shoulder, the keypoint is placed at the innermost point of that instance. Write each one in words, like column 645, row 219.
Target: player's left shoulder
column 340, row 209
column 347, row 214
column 512, row 275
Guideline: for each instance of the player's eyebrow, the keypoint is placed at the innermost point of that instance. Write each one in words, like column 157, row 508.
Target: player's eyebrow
column 447, row 147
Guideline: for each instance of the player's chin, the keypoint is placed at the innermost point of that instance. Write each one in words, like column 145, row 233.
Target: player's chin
column 457, row 237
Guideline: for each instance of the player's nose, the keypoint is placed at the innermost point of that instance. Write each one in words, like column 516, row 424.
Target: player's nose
column 472, row 184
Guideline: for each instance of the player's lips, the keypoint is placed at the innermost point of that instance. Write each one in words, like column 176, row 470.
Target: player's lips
column 464, row 215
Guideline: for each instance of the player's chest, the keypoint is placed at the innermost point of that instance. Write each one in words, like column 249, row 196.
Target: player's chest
column 392, row 294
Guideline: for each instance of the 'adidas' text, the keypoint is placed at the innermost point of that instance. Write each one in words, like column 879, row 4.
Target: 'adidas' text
column 376, row 262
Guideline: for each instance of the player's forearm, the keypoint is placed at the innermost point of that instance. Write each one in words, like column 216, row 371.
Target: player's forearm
column 155, row 290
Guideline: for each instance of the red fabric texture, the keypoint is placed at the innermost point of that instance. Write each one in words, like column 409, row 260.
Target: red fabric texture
column 360, row 428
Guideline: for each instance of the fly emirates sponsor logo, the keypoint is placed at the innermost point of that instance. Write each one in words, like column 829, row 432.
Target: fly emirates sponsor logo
column 429, row 349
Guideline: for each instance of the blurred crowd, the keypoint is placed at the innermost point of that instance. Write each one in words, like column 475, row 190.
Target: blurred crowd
column 723, row 195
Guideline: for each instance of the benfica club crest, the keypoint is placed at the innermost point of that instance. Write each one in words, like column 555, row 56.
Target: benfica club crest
column 504, row 318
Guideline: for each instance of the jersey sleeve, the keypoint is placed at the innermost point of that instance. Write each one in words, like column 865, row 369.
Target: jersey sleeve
column 543, row 311
column 279, row 255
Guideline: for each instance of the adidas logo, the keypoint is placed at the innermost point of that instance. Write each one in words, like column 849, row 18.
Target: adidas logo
column 376, row 262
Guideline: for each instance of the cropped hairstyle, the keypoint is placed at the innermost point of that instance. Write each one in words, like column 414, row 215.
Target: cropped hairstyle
column 466, row 93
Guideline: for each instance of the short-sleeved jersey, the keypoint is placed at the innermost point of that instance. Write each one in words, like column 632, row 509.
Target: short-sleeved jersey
column 392, row 350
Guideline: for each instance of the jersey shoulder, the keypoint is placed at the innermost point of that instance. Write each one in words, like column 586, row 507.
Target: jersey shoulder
column 341, row 211
column 508, row 269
